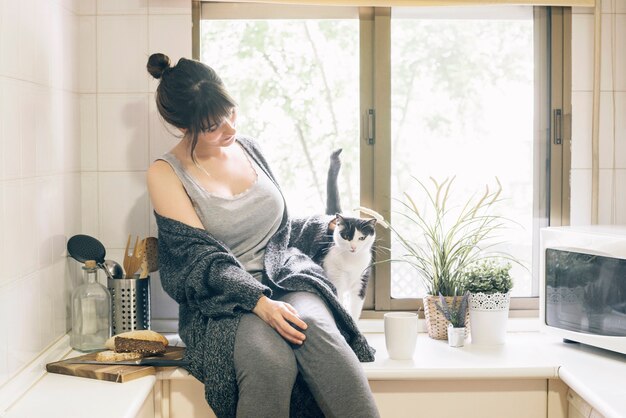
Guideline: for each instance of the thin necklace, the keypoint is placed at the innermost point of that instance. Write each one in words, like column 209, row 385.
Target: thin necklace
column 199, row 166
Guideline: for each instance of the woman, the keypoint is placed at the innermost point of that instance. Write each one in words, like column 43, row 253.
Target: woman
column 263, row 329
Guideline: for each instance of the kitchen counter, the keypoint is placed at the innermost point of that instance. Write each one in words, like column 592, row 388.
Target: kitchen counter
column 596, row 375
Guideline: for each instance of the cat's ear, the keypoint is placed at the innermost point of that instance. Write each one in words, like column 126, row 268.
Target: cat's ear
column 338, row 217
column 372, row 222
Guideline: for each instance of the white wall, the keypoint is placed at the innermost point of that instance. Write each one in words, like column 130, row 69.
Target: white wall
column 612, row 199
column 39, row 173
column 121, row 131
column 78, row 129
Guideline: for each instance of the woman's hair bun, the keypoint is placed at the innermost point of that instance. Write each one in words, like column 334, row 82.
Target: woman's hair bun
column 157, row 64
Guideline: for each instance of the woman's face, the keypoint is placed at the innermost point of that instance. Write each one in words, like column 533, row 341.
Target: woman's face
column 220, row 134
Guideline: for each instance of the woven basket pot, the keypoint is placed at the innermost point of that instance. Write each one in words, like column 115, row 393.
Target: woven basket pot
column 436, row 323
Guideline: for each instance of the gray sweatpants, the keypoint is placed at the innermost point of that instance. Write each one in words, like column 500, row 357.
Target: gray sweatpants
column 267, row 365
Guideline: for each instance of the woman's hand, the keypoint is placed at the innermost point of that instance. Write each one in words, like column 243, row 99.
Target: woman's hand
column 276, row 314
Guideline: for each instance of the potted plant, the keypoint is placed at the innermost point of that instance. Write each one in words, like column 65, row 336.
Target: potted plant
column 489, row 283
column 456, row 314
column 442, row 240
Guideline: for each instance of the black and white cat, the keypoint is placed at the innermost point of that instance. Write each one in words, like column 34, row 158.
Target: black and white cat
column 347, row 262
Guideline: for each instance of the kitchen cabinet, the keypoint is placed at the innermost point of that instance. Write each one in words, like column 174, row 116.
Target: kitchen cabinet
column 515, row 398
column 467, row 398
column 579, row 408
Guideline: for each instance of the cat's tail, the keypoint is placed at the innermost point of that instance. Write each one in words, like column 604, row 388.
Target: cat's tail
column 333, row 204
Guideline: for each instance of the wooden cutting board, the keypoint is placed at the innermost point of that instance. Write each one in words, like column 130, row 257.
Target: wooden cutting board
column 112, row 373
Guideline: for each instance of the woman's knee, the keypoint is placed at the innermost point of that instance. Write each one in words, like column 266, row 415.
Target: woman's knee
column 260, row 353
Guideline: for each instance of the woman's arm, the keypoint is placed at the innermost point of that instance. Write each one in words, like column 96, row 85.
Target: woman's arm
column 168, row 195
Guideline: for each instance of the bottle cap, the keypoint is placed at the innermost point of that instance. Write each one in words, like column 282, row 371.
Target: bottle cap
column 90, row 264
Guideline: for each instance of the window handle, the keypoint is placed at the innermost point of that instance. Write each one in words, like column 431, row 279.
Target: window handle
column 371, row 125
column 558, row 138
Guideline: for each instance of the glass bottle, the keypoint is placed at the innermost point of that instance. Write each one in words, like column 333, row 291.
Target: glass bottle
column 91, row 312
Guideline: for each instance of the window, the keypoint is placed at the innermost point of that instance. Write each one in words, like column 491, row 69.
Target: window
column 462, row 107
column 465, row 92
column 295, row 81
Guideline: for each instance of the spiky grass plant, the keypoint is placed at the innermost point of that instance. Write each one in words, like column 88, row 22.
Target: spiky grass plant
column 451, row 239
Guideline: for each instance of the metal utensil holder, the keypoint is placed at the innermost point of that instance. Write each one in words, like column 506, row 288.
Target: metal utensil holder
column 130, row 304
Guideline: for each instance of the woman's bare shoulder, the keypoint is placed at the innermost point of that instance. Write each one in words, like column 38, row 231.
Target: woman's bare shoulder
column 168, row 195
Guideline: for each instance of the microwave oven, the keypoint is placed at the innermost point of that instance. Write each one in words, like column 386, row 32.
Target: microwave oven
column 583, row 284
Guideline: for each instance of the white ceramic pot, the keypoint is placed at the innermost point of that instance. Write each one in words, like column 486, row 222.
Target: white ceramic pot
column 489, row 313
column 456, row 336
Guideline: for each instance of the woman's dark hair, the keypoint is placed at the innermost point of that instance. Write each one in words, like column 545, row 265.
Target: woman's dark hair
column 190, row 95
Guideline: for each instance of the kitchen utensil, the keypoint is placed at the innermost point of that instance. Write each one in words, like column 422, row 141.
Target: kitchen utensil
column 132, row 262
column 152, row 254
column 148, row 361
column 127, row 258
column 144, row 269
column 84, row 247
column 114, row 268
column 130, row 304
column 136, row 258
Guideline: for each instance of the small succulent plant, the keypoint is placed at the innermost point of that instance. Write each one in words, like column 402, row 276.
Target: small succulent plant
column 488, row 276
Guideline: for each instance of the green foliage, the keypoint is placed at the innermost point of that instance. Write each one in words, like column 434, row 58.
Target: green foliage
column 488, row 276
column 452, row 240
column 455, row 312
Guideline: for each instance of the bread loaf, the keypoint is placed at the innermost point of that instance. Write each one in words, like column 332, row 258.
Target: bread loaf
column 142, row 341
column 113, row 356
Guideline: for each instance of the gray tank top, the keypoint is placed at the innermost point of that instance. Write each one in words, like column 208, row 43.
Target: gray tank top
column 245, row 222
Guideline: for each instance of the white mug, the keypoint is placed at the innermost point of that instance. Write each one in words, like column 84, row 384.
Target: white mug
column 400, row 334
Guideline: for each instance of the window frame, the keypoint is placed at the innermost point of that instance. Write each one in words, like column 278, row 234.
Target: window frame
column 552, row 92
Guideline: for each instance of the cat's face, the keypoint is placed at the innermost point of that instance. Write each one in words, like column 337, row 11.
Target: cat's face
column 354, row 234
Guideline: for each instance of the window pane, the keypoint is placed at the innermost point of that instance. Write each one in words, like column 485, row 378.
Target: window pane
column 297, row 84
column 462, row 105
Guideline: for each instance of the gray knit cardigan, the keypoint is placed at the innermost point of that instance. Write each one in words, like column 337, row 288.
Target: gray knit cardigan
column 213, row 290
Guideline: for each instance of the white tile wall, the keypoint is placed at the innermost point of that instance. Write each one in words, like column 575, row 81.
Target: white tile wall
column 582, row 104
column 581, row 197
column 620, row 129
column 620, row 50
column 123, row 207
column 4, row 331
column 88, row 132
column 612, row 158
column 582, row 52
column 86, row 7
column 122, row 64
column 39, row 164
column 607, row 197
column 170, row 35
column 606, row 130
column 123, row 132
column 75, row 123
column 87, row 54
column 122, row 7
column 169, row 7
column 89, row 205
column 10, row 129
